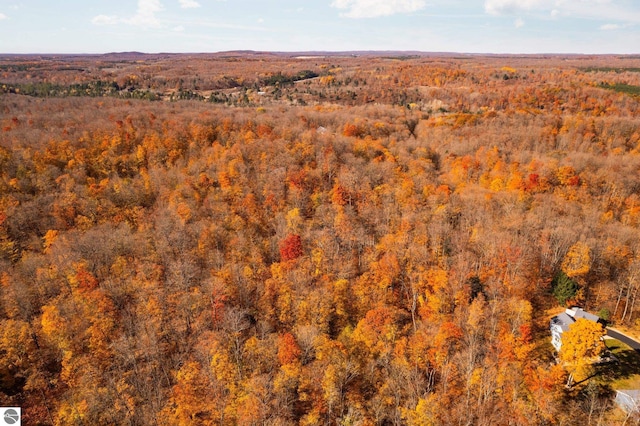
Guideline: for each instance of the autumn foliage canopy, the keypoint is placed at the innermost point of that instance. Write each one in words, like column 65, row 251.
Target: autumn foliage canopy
column 227, row 239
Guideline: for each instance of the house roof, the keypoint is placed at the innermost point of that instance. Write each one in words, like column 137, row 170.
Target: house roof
column 580, row 313
column 563, row 320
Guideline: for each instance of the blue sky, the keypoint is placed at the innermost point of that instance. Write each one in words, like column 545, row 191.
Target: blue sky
column 474, row 26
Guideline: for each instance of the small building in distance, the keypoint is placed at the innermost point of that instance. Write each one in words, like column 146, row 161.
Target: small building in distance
column 561, row 323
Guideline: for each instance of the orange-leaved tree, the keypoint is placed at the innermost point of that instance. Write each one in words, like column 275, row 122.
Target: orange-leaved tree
column 288, row 349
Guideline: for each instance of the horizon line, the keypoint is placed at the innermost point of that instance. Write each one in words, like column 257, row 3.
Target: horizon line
column 356, row 52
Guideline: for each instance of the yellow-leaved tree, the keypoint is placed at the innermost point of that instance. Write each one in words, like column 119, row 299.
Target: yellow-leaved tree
column 582, row 344
column 577, row 262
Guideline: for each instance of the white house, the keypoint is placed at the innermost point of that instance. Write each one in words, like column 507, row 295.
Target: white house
column 561, row 323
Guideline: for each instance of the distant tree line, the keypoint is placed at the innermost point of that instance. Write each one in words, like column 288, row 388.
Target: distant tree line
column 96, row 88
column 283, row 79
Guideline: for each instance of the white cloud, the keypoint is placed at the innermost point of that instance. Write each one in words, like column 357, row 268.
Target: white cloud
column 608, row 27
column 376, row 8
column 554, row 7
column 519, row 23
column 105, row 20
column 612, row 10
column 499, row 7
column 3, row 16
column 189, row 4
column 146, row 14
column 178, row 29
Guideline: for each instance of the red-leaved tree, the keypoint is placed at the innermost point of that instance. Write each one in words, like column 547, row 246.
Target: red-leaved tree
column 291, row 247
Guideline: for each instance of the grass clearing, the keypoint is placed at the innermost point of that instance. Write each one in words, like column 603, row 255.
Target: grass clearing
column 622, row 88
column 625, row 373
column 617, row 70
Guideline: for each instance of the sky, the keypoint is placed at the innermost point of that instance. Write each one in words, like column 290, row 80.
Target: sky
column 465, row 26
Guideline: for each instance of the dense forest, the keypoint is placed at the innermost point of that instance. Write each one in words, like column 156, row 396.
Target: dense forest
column 259, row 239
